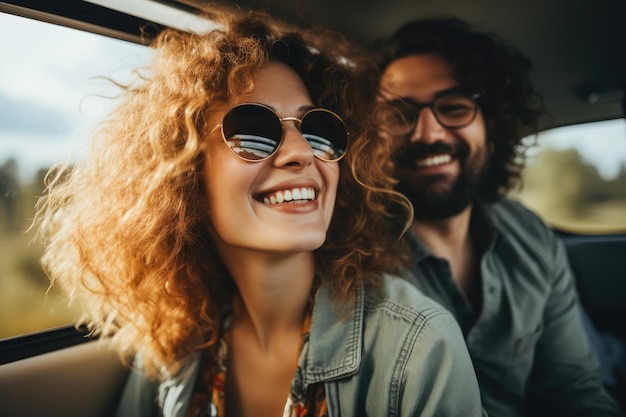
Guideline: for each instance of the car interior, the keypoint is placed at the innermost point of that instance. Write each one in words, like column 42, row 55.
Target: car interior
column 578, row 48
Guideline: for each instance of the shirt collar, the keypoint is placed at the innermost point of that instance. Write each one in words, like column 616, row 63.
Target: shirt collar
column 481, row 221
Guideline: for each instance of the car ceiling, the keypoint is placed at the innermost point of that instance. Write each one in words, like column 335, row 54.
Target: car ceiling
column 578, row 47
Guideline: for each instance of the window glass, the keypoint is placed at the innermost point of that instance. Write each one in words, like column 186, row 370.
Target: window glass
column 575, row 178
column 51, row 92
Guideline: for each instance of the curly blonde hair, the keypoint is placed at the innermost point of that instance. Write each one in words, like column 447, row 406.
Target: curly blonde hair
column 126, row 229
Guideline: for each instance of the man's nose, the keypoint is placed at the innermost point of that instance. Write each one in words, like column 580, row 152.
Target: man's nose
column 427, row 128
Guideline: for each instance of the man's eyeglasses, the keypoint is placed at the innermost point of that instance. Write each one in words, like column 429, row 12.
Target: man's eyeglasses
column 453, row 109
column 254, row 132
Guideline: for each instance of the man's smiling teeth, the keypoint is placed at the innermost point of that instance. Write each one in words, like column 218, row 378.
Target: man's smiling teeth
column 434, row 160
column 295, row 195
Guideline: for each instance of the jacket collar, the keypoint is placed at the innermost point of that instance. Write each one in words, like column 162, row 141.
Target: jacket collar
column 333, row 352
column 336, row 339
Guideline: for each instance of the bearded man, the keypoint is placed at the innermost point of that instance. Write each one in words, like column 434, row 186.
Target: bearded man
column 461, row 103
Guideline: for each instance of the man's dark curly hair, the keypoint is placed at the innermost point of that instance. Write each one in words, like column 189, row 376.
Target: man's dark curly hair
column 481, row 63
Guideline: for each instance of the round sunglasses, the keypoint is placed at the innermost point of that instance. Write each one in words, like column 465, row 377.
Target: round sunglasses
column 254, row 132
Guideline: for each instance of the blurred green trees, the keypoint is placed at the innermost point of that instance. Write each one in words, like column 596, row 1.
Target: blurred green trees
column 570, row 193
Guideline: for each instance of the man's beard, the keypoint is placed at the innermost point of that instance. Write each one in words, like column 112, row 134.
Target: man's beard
column 435, row 197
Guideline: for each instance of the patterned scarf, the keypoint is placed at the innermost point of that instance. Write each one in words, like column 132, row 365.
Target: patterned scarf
column 209, row 393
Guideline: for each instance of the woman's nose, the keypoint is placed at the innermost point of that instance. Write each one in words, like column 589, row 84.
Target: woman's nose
column 294, row 150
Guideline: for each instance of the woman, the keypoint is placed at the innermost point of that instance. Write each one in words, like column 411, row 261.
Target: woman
column 228, row 233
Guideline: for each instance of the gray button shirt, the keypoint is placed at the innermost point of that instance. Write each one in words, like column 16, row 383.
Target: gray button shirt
column 527, row 343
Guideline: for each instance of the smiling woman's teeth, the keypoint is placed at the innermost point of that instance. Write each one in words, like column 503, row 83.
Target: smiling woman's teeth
column 294, row 195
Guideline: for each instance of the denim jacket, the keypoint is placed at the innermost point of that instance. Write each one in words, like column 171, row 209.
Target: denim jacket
column 397, row 354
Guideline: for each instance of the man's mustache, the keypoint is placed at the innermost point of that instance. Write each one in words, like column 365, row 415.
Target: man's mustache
column 407, row 154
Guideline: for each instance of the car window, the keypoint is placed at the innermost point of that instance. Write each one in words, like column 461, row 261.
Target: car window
column 51, row 92
column 575, row 178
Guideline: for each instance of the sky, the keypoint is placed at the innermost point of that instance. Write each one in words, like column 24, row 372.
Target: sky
column 49, row 97
column 602, row 144
column 50, row 90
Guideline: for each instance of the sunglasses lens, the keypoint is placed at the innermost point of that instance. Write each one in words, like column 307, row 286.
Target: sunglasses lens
column 326, row 133
column 253, row 132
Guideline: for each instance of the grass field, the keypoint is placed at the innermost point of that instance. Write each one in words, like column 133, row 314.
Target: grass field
column 600, row 218
column 27, row 303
